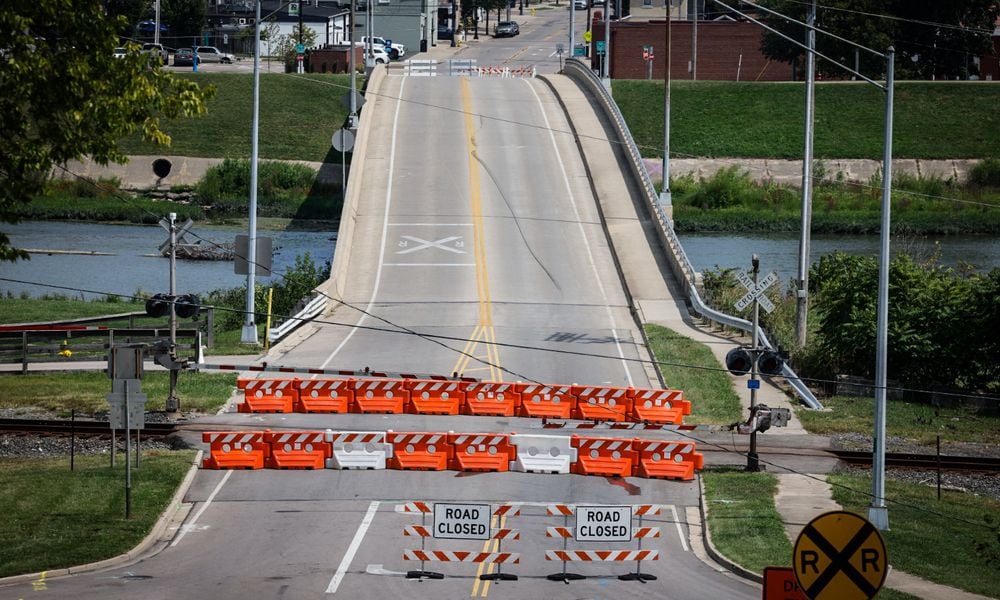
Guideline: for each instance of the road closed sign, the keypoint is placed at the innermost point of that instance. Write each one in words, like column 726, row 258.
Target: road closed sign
column 462, row 521
column 603, row 523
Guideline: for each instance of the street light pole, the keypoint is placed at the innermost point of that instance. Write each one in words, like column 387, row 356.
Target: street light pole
column 249, row 334
column 802, row 294
column 353, row 117
column 666, row 202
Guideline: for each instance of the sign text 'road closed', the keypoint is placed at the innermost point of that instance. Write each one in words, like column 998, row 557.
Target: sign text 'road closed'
column 603, row 523
column 462, row 521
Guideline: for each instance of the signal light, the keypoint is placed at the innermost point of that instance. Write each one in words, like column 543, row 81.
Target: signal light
column 739, row 361
column 158, row 305
column 187, row 306
column 770, row 363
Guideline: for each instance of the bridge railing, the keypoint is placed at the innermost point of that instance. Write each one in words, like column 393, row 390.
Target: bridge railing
column 679, row 263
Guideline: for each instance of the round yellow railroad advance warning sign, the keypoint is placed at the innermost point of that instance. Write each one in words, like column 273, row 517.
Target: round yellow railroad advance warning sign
column 587, row 36
column 840, row 556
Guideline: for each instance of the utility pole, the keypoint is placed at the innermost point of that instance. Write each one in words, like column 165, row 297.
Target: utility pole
column 352, row 119
column 694, row 43
column 802, row 294
column 156, row 25
column 249, row 334
column 454, row 24
column 606, row 63
column 173, row 404
column 753, row 461
column 666, row 201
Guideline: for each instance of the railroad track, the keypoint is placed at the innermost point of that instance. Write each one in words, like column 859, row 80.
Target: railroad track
column 80, row 427
column 986, row 464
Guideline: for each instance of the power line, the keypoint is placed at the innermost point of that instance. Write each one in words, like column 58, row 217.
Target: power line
column 895, row 18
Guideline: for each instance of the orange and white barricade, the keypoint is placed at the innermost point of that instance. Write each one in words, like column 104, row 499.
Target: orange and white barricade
column 297, row 449
column 325, row 395
column 658, row 459
column 380, row 396
column 659, row 406
column 481, row 451
column 603, row 456
column 235, row 450
column 601, row 555
column 357, row 450
column 434, row 397
column 546, row 401
column 490, row 398
column 542, row 453
column 268, row 396
column 597, row 403
column 419, row 451
column 456, row 556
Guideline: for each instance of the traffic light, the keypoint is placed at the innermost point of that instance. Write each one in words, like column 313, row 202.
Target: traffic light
column 770, row 363
column 158, row 305
column 187, row 306
column 739, row 361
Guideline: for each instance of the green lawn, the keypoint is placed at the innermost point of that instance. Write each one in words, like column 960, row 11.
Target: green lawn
column 708, row 388
column 21, row 310
column 56, row 518
column 298, row 114
column 766, row 120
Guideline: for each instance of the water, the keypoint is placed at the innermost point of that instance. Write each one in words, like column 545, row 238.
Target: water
column 780, row 252
column 133, row 264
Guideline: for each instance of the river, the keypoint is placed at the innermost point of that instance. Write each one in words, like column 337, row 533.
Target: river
column 130, row 268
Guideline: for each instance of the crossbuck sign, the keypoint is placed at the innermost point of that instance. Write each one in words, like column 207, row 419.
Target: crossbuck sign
column 756, row 291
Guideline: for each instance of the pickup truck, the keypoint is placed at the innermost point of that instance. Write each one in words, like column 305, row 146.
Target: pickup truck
column 396, row 51
column 157, row 50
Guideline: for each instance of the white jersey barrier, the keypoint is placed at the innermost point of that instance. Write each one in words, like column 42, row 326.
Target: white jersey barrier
column 542, row 453
column 358, row 450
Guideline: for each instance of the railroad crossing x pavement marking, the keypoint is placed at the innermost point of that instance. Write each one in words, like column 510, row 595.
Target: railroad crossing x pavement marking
column 456, row 242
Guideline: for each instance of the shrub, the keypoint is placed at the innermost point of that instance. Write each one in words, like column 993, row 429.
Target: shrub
column 986, row 173
column 281, row 187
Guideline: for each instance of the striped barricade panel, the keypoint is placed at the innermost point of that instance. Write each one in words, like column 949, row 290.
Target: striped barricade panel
column 325, row 396
column 567, row 510
column 659, row 459
column 415, row 507
column 380, row 396
column 425, row 532
column 430, row 397
column 419, row 451
column 357, row 450
column 568, row 532
column 659, row 406
column 595, row 403
column 455, row 556
column 297, row 449
column 481, row 451
column 603, row 456
column 507, row 510
column 490, row 398
column 543, row 453
column 546, row 401
column 601, row 555
column 268, row 396
column 235, row 450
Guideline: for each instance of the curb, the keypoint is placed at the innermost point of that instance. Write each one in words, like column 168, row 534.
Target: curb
column 707, row 539
column 176, row 510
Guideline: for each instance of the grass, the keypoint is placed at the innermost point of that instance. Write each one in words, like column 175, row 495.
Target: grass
column 766, row 120
column 709, row 389
column 947, row 541
column 920, row 422
column 33, row 310
column 56, row 518
column 86, row 392
column 298, row 113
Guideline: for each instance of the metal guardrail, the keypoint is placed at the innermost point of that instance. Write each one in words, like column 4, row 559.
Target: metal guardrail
column 678, row 260
column 311, row 310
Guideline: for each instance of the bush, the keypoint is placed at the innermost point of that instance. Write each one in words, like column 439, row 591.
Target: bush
column 281, row 187
column 986, row 173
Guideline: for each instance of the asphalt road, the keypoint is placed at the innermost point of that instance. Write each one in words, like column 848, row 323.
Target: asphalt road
column 478, row 223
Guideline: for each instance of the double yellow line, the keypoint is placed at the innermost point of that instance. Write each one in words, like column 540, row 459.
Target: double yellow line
column 484, row 331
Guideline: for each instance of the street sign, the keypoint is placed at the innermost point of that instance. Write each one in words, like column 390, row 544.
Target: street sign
column 122, row 389
column 560, row 48
column 300, row 48
column 262, row 257
column 462, row 521
column 603, row 524
column 388, row 44
column 125, row 362
column 588, row 36
column 779, row 584
column 293, row 9
column 753, row 384
column 343, row 140
column 756, row 291
column 601, row 45
column 181, row 232
column 840, row 555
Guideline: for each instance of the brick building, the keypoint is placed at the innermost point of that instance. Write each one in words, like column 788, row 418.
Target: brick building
column 727, row 51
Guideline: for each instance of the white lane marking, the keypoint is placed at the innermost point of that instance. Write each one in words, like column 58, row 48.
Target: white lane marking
column 428, row 264
column 191, row 525
column 359, row 535
column 385, row 227
column 430, row 224
column 381, row 570
column 583, row 234
column 680, row 532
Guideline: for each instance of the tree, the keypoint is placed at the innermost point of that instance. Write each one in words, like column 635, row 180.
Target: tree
column 185, row 18
column 931, row 37
column 66, row 96
column 132, row 10
column 285, row 45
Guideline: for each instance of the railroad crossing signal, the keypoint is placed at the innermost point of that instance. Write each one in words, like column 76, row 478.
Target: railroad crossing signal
column 841, row 556
column 756, row 291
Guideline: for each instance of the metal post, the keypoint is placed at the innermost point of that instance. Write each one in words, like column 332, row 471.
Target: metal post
column 606, row 63
column 137, row 446
column 878, row 513
column 666, row 201
column 24, row 353
column 300, row 66
column 249, row 334
column 128, row 463
column 352, row 119
column 454, row 23
column 694, row 44
column 572, row 26
column 802, row 294
column 156, row 31
column 753, row 463
column 172, row 402
column 72, row 440
column 114, row 447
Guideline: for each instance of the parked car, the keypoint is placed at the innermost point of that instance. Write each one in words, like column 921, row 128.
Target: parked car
column 157, row 50
column 445, row 32
column 183, row 57
column 506, row 29
column 211, row 54
column 396, row 51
